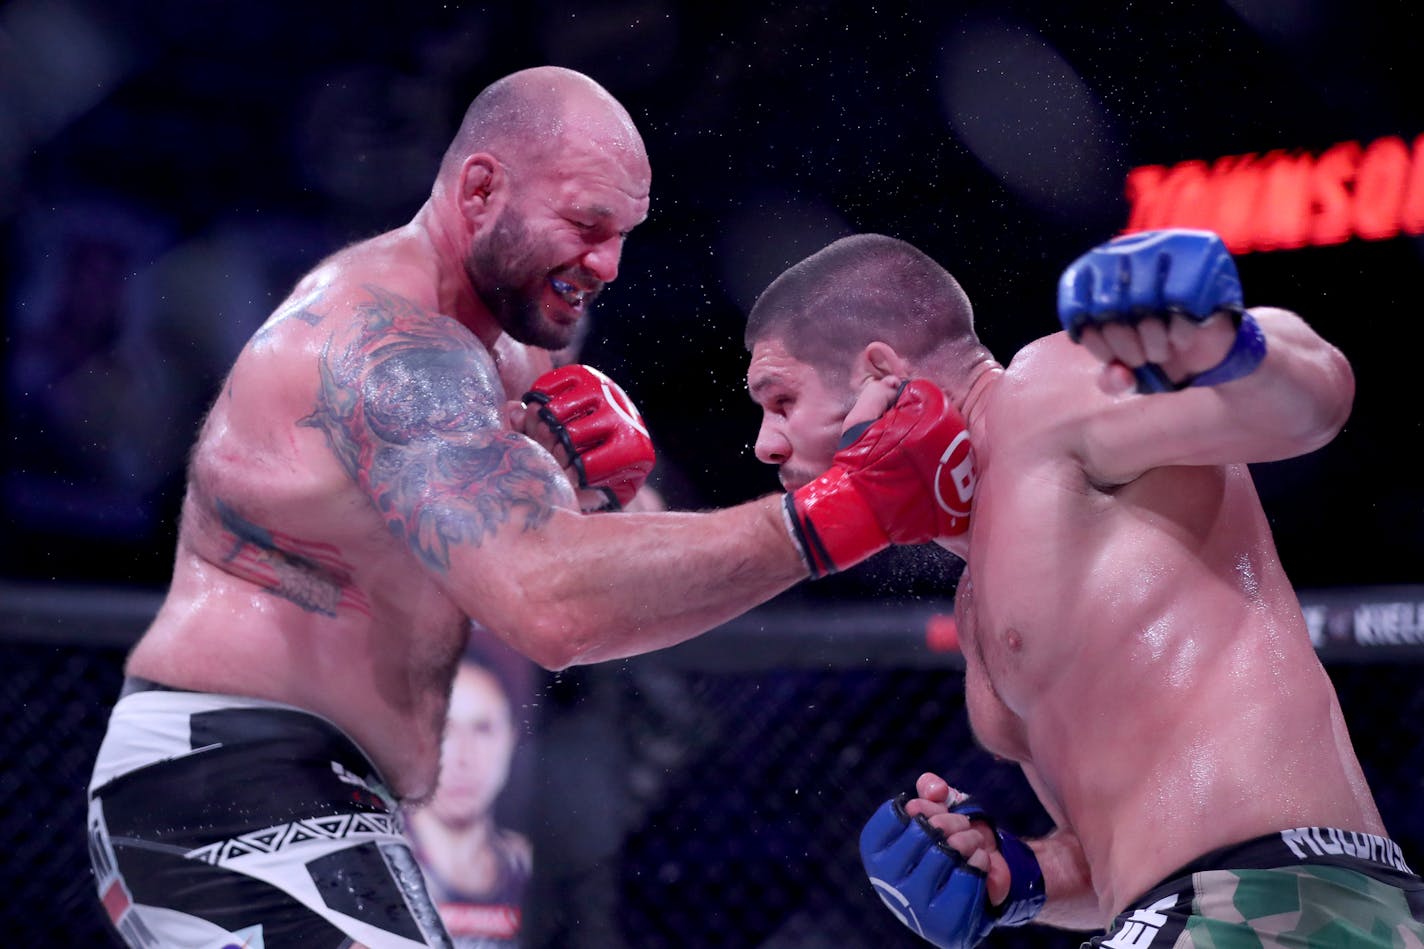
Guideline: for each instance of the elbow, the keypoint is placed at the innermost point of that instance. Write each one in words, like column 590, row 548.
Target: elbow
column 542, row 620
column 556, row 644
column 1336, row 399
column 1311, row 382
column 552, row 638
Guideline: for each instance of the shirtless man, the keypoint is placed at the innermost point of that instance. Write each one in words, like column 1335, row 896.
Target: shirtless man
column 361, row 490
column 1129, row 636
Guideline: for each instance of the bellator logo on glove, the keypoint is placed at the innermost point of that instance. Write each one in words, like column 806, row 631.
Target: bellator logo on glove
column 954, row 483
column 618, row 400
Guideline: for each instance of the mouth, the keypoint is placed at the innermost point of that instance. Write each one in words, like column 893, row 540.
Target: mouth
column 575, row 297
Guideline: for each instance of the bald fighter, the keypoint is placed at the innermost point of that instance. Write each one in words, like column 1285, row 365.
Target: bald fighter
column 362, row 489
column 1130, row 638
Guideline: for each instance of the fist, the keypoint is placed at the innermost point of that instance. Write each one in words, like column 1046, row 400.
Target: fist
column 920, row 438
column 599, row 428
column 922, row 881
column 1139, row 301
column 906, row 477
column 934, row 860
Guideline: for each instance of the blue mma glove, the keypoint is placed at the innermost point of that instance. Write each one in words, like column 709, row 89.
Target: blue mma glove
column 1159, row 274
column 929, row 886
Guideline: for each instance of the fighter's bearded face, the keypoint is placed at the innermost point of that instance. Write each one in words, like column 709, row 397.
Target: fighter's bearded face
column 534, row 298
column 558, row 239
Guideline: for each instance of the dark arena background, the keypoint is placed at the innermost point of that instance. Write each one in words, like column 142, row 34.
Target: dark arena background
column 168, row 170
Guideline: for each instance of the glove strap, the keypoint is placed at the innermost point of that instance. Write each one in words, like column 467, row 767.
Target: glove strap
column 807, row 541
column 1245, row 355
column 1027, row 893
column 831, row 524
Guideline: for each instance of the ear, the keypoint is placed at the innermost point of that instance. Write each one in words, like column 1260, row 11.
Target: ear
column 877, row 361
column 482, row 181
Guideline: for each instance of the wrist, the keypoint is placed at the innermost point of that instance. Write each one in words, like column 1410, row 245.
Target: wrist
column 831, row 524
column 1027, row 892
column 1247, row 352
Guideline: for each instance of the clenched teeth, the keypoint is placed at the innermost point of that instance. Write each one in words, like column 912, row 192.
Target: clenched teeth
column 571, row 294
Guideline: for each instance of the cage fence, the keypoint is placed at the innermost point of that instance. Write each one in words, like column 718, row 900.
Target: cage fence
column 710, row 795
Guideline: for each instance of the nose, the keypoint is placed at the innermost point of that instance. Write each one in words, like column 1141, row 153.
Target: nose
column 772, row 447
column 601, row 260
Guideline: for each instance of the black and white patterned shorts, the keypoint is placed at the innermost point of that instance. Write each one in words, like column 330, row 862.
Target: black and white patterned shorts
column 219, row 821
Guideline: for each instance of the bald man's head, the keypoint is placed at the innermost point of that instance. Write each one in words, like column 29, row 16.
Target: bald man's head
column 530, row 115
column 543, row 182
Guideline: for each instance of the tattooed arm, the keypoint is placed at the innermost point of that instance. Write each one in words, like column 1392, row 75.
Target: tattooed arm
column 411, row 405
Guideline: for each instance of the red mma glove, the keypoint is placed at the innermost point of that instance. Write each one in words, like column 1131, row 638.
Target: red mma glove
column 599, row 427
column 905, row 478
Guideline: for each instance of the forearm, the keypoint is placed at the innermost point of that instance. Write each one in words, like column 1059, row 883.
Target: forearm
column 592, row 588
column 1072, row 902
column 1302, row 391
column 1293, row 402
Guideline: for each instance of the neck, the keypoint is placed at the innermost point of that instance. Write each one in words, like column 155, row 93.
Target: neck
column 454, row 292
column 981, row 379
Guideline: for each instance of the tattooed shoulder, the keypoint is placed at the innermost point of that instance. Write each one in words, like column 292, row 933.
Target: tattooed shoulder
column 409, row 402
column 301, row 309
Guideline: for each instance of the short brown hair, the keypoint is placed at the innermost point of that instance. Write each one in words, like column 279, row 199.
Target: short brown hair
column 855, row 291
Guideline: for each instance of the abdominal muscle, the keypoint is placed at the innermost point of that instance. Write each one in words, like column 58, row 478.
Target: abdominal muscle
column 1166, row 707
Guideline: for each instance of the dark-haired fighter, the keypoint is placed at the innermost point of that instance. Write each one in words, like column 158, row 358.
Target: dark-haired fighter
column 1130, row 638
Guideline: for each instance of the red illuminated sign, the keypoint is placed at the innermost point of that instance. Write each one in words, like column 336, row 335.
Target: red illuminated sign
column 1284, row 199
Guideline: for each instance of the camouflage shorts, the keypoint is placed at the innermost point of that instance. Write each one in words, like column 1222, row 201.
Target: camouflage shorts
column 1306, row 895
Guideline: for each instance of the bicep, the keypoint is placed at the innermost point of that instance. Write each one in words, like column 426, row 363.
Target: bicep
column 1136, row 433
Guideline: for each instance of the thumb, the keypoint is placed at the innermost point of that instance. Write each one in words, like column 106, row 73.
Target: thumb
column 999, row 878
column 1116, row 379
column 874, row 398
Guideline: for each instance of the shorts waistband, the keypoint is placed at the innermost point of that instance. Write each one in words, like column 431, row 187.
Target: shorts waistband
column 1370, row 854
column 1330, row 845
column 152, row 722
column 136, row 684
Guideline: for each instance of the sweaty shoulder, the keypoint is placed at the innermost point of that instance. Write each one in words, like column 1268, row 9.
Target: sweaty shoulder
column 399, row 372
column 364, row 324
column 1048, row 391
column 411, row 405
